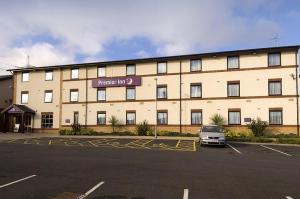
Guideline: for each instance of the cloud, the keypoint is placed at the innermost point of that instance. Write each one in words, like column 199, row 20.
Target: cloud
column 85, row 27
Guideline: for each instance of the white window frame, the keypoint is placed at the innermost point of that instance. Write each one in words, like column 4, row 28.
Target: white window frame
column 101, row 71
column 130, row 69
column 75, row 75
column 71, row 96
column 162, row 70
column 25, row 76
column 24, row 97
column 46, row 98
column 47, row 77
column 194, row 68
column 98, row 96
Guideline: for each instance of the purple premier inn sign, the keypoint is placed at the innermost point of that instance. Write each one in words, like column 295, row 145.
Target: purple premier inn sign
column 116, row 81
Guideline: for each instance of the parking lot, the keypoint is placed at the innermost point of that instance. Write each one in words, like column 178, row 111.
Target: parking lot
column 110, row 168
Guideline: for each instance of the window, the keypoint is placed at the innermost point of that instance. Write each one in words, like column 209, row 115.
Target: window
column 75, row 73
column 47, row 120
column 275, row 87
column 196, row 117
column 130, row 93
column 196, row 65
column 101, row 71
column 196, row 90
column 161, row 92
column 233, row 89
column 74, row 95
column 24, row 97
column 101, row 118
column 101, row 94
column 274, row 59
column 162, row 117
column 130, row 69
column 130, row 117
column 48, row 96
column 275, row 116
column 49, row 75
column 161, row 67
column 25, row 76
column 234, row 117
column 76, row 118
column 233, row 62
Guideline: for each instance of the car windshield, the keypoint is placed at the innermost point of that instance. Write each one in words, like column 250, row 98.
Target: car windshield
column 212, row 129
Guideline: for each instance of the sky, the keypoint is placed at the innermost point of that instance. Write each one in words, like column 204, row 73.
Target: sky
column 75, row 31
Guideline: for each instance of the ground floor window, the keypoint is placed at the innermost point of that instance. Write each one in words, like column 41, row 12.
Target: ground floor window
column 162, row 117
column 130, row 117
column 275, row 116
column 101, row 118
column 47, row 120
column 234, row 117
column 196, row 117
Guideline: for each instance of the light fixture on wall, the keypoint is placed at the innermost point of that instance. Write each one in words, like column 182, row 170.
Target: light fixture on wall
column 292, row 75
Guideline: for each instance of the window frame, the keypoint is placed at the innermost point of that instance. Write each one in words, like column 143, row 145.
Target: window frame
column 101, row 112
column 162, row 86
column 191, row 65
column 47, row 113
column 76, row 113
column 22, row 77
column 129, row 88
column 98, row 75
column 275, row 110
column 74, row 90
column 232, row 56
column 234, row 110
column 24, row 92
column 274, row 81
column 101, row 100
column 162, row 111
column 196, row 111
column 195, row 84
column 71, row 72
column 233, row 83
column 158, row 70
column 127, row 65
column 269, row 59
column 48, row 91
column 47, row 71
column 131, row 112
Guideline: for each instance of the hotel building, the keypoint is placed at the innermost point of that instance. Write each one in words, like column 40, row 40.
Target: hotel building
column 178, row 93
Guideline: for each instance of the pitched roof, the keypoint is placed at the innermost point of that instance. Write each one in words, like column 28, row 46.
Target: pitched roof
column 17, row 108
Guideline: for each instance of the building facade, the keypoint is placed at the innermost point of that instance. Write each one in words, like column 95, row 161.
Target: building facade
column 6, row 91
column 178, row 93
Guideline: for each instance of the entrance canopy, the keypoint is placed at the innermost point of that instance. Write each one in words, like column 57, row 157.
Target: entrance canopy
column 18, row 109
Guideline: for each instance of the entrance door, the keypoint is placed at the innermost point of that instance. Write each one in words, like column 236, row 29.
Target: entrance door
column 27, row 123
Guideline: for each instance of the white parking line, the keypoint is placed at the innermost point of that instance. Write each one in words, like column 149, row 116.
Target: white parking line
column 234, row 149
column 26, row 178
column 288, row 197
column 185, row 194
column 276, row 150
column 91, row 190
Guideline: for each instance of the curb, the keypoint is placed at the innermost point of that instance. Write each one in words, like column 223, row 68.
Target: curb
column 264, row 143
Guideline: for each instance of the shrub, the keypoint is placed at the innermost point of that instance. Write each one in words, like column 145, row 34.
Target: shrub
column 238, row 134
column 258, row 126
column 144, row 128
column 217, row 119
column 76, row 128
column 115, row 123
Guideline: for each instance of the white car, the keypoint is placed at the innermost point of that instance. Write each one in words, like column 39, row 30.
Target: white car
column 212, row 135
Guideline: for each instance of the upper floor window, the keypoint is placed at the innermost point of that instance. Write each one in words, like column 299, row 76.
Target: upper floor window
column 130, row 69
column 196, row 117
column 101, row 118
column 130, row 117
column 162, row 117
column 275, row 87
column 233, row 62
column 74, row 73
column 24, row 97
column 48, row 96
column 49, row 75
column 130, row 93
column 101, row 94
column 196, row 65
column 101, row 71
column 161, row 92
column 274, row 59
column 25, row 76
column 196, row 90
column 233, row 89
column 74, row 95
column 161, row 67
column 234, row 117
column 275, row 116
column 46, row 120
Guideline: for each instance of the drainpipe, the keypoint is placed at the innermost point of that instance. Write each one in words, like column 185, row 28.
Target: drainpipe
column 86, row 94
column 297, row 92
column 180, row 100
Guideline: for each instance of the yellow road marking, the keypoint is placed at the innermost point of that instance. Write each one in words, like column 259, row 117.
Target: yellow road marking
column 92, row 144
column 50, row 142
column 178, row 143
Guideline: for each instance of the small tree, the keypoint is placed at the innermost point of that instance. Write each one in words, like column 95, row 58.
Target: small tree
column 76, row 128
column 143, row 128
column 217, row 119
column 115, row 123
column 258, row 126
